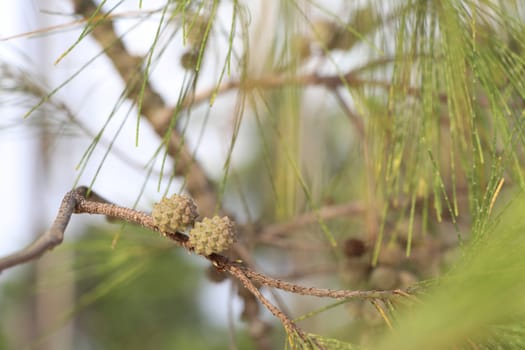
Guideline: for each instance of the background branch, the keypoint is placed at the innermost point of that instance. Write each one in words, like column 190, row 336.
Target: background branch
column 154, row 108
column 273, row 81
column 273, row 231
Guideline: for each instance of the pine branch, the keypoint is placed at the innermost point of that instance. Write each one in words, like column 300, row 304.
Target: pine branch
column 274, row 231
column 234, row 268
column 153, row 107
column 289, row 325
column 274, row 81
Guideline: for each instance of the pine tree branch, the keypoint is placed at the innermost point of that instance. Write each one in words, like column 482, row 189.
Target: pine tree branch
column 235, row 267
column 76, row 201
column 272, row 81
column 153, row 107
column 274, row 231
column 290, row 326
column 50, row 239
column 268, row 234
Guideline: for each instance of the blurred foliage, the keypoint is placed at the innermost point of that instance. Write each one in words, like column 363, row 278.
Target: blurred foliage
column 480, row 301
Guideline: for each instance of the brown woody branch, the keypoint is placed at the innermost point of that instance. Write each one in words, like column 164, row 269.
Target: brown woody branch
column 268, row 281
column 272, row 232
column 153, row 107
column 272, row 81
column 76, row 202
column 248, row 284
column 50, row 239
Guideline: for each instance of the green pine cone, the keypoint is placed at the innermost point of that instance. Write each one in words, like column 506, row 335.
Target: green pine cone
column 175, row 213
column 213, row 235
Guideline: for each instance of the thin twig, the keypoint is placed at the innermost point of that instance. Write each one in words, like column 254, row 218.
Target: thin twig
column 270, row 232
column 290, row 326
column 318, row 292
column 50, row 239
column 308, row 271
column 272, row 81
